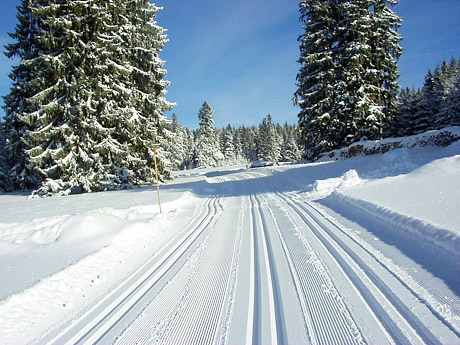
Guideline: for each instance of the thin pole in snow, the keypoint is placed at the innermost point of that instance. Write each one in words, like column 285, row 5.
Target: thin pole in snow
column 156, row 173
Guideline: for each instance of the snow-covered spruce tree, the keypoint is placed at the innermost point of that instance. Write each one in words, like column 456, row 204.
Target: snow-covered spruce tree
column 439, row 102
column 269, row 147
column 452, row 109
column 368, row 49
column 207, row 149
column 317, row 75
column 228, row 147
column 357, row 42
column 95, row 120
column 447, row 94
column 5, row 180
column 130, row 94
column 238, row 143
column 249, row 138
column 454, row 104
column 62, row 140
column 425, row 118
column 177, row 143
column 289, row 150
column 25, row 48
column 143, row 40
column 407, row 122
column 383, row 70
column 189, row 143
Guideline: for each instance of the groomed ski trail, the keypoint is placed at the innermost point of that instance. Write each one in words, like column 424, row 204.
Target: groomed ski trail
column 256, row 266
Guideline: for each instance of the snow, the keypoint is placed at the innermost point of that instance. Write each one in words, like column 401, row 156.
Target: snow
column 324, row 188
column 430, row 193
column 238, row 253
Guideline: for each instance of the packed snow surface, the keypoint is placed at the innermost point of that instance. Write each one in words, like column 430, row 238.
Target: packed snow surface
column 357, row 251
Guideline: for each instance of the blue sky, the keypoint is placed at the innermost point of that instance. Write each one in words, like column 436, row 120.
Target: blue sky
column 240, row 55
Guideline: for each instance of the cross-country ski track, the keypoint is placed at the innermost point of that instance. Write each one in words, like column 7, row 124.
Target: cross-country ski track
column 257, row 265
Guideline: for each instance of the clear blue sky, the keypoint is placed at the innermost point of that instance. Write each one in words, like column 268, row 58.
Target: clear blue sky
column 240, row 55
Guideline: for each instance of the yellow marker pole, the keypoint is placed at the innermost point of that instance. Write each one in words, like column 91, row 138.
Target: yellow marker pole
column 156, row 172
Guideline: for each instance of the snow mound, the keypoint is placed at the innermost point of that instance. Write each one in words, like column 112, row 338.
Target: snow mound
column 429, row 193
column 418, row 230
column 260, row 164
column 93, row 227
column 38, row 231
column 324, row 188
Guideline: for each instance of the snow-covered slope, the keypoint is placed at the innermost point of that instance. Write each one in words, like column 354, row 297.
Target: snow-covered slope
column 359, row 250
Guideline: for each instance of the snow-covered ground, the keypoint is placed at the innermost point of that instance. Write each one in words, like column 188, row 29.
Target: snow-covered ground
column 351, row 251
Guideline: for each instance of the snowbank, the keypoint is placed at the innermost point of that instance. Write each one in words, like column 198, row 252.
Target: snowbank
column 39, row 247
column 418, row 230
column 430, row 193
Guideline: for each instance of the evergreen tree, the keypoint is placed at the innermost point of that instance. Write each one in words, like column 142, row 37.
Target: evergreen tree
column 316, row 77
column 238, row 143
column 98, row 94
column 191, row 138
column 229, row 146
column 447, row 94
column 368, row 49
column 177, row 143
column 269, row 148
column 5, row 181
column 382, row 71
column 352, row 100
column 454, row 103
column 347, row 85
column 249, row 138
column 432, row 107
column 143, row 40
column 451, row 112
column 207, row 150
column 289, row 150
column 62, row 141
column 407, row 122
column 426, row 116
column 25, row 48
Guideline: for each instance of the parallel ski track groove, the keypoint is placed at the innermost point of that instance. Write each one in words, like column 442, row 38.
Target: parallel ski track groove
column 227, row 307
column 130, row 336
column 383, row 264
column 435, row 303
column 304, row 279
column 199, row 316
column 251, row 328
column 205, row 304
column 421, row 329
column 299, row 289
column 210, row 217
column 277, row 302
column 260, row 239
column 332, row 242
column 125, row 297
column 256, row 322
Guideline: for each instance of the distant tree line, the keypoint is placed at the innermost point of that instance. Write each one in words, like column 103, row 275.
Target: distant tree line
column 208, row 146
column 434, row 106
